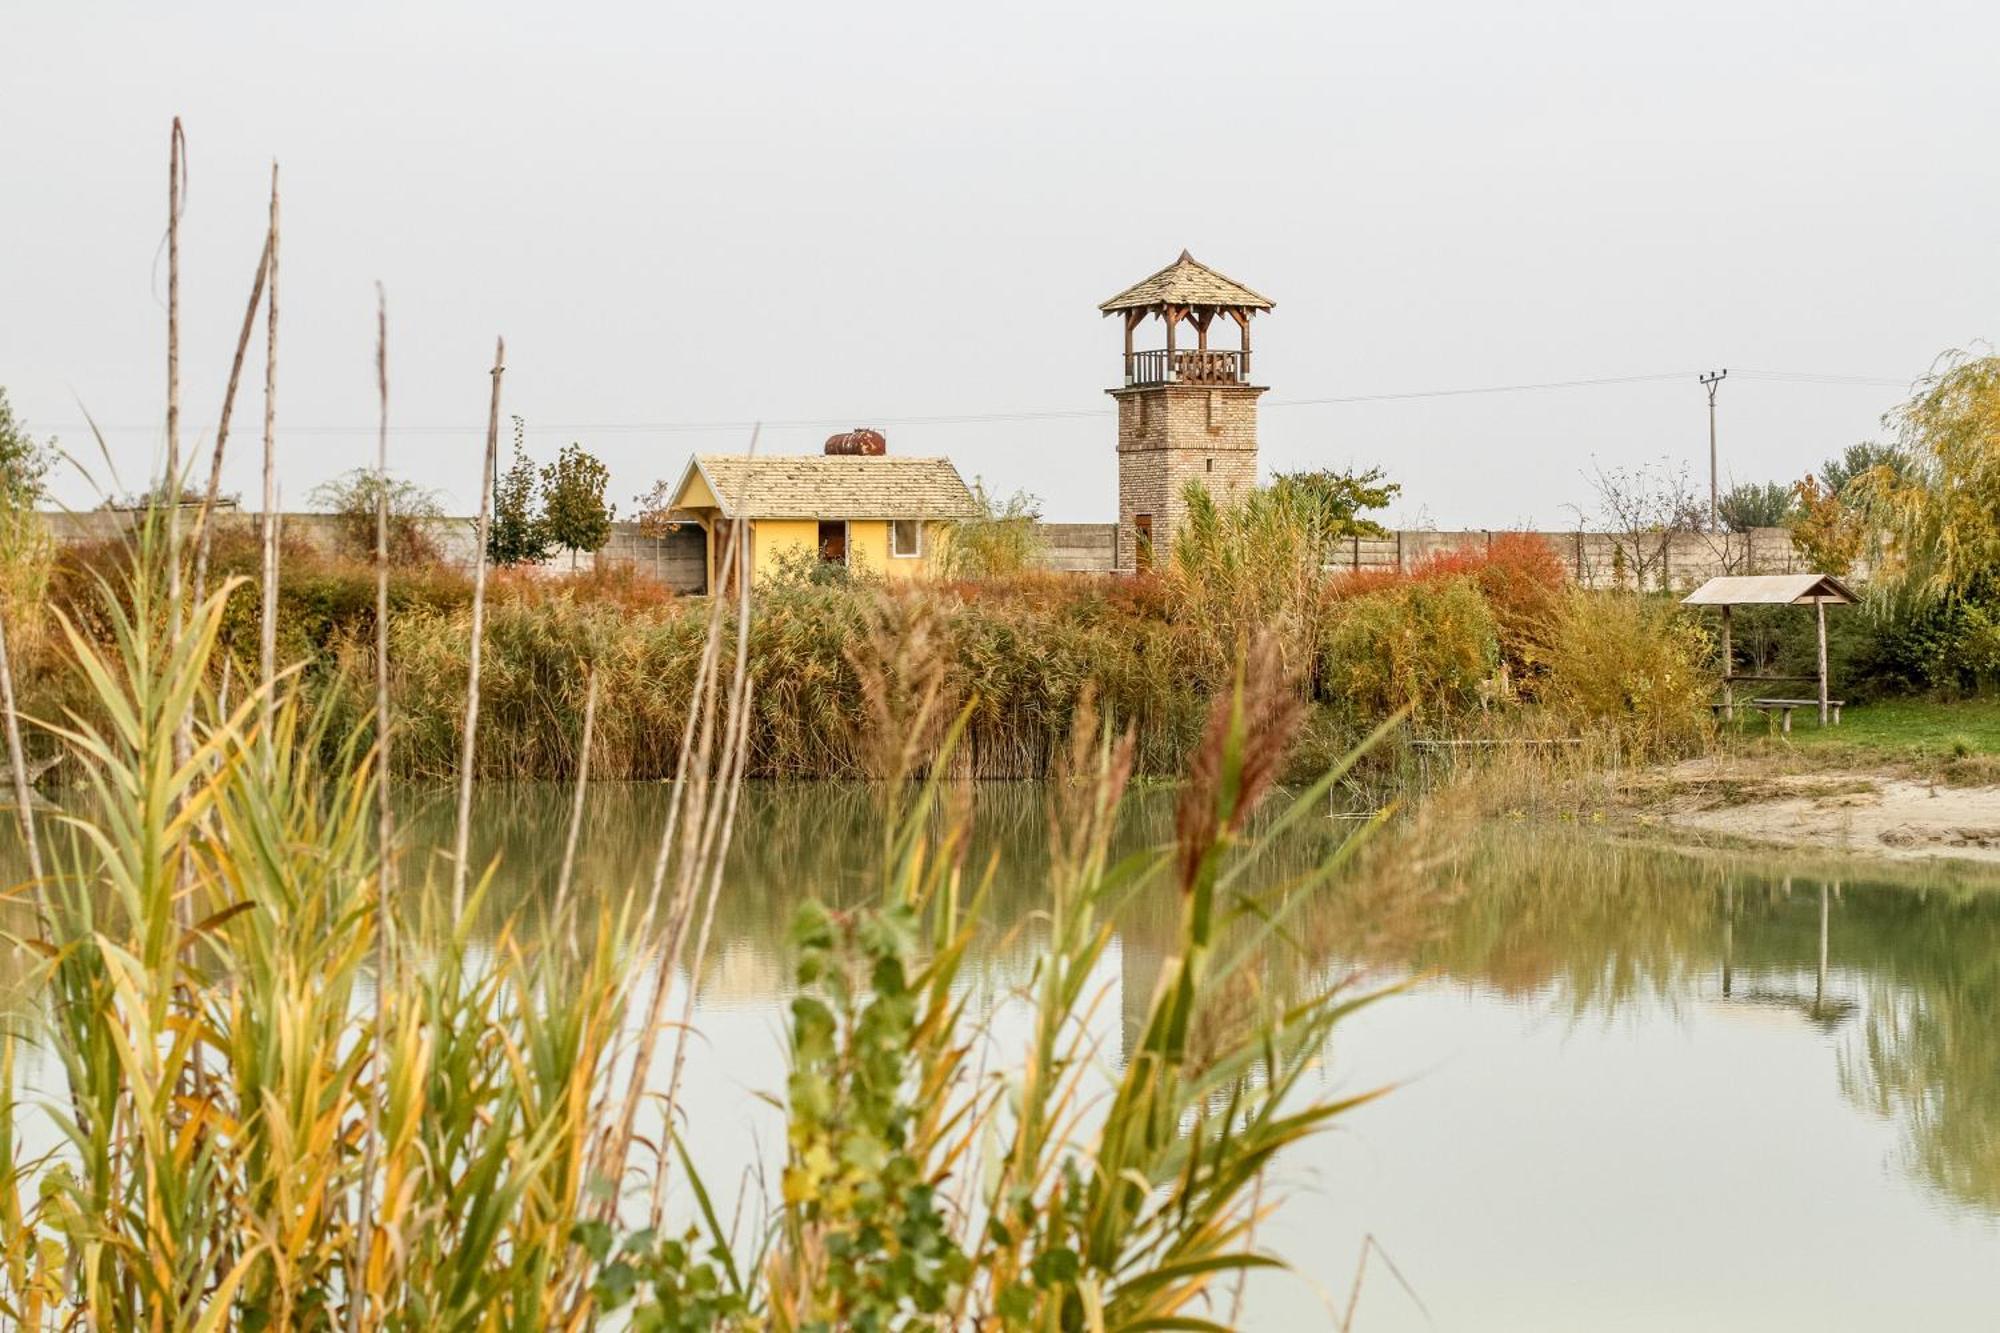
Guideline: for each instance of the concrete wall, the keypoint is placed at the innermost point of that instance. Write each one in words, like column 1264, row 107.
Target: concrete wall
column 675, row 559
column 1079, row 547
column 1593, row 559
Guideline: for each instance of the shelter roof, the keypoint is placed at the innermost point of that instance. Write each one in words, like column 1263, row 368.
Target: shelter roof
column 830, row 486
column 1186, row 281
column 1770, row 590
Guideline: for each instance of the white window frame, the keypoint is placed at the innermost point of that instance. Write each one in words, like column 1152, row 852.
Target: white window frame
column 918, row 552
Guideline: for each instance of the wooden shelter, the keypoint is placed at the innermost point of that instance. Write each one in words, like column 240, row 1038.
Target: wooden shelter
column 1818, row 591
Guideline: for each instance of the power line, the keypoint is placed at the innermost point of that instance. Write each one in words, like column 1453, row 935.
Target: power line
column 1072, row 414
column 1482, row 389
column 1811, row 377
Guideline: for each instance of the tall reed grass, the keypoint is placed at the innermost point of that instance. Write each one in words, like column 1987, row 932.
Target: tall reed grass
column 260, row 1120
column 1469, row 645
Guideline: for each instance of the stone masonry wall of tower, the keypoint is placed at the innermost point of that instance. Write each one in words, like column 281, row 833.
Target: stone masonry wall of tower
column 1169, row 435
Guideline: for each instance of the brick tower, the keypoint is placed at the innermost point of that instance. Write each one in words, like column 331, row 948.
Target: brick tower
column 1184, row 413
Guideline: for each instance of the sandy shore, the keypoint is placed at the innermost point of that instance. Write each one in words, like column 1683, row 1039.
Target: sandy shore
column 1879, row 814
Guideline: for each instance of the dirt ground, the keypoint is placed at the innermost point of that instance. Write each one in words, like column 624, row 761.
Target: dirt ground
column 1880, row 813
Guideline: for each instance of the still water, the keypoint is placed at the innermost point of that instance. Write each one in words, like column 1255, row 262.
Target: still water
column 1637, row 1088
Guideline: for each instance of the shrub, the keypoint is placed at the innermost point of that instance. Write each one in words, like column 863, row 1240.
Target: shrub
column 1637, row 666
column 1522, row 579
column 353, row 497
column 1426, row 644
column 1004, row 541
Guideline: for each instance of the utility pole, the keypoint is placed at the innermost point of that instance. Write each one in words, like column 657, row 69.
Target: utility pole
column 1713, row 381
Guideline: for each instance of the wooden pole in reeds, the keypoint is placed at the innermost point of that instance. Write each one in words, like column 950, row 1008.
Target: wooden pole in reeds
column 171, row 484
column 23, row 792
column 576, row 803
column 467, row 750
column 205, row 519
column 692, row 802
column 735, row 756
column 711, row 646
column 267, row 638
column 385, row 876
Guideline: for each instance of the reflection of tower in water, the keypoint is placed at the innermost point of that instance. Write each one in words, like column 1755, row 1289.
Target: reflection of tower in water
column 1139, row 968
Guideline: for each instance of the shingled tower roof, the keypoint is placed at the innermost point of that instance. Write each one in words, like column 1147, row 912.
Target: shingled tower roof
column 1186, row 282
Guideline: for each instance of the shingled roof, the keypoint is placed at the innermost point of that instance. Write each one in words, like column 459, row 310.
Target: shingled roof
column 1186, row 281
column 833, row 486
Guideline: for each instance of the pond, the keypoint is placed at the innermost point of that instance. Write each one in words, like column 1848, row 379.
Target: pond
column 1636, row 1087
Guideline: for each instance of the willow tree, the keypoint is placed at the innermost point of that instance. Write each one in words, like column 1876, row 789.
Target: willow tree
column 1941, row 508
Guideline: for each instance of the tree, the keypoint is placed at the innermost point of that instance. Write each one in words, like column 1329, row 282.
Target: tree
column 1826, row 530
column 1855, row 461
column 1331, row 502
column 1750, row 504
column 1941, row 509
column 1644, row 508
column 352, row 498
column 24, row 460
column 576, row 515
column 519, row 533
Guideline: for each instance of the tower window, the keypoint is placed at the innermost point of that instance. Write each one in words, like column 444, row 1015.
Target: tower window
column 1210, row 462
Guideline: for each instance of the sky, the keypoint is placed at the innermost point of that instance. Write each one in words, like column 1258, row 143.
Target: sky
column 685, row 218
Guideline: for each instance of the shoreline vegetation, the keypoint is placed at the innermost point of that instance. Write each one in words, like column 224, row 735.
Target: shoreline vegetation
column 1493, row 644
column 282, row 1098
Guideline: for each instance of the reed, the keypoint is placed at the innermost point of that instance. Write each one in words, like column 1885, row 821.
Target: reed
column 264, row 1116
column 267, row 625
column 433, row 1134
column 459, row 865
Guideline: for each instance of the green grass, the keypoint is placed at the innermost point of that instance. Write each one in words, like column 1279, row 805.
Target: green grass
column 1895, row 728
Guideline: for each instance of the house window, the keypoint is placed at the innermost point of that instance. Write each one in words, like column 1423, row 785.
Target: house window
column 906, row 537
column 833, row 541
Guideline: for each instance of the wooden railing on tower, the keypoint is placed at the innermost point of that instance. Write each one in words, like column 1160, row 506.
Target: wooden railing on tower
column 1198, row 365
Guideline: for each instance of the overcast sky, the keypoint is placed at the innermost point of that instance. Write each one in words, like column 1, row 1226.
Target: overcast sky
column 864, row 213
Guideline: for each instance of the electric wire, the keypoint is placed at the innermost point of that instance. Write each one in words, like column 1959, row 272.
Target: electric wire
column 1070, row 414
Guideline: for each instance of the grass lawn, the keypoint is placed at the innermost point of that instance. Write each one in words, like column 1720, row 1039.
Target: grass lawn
column 1904, row 728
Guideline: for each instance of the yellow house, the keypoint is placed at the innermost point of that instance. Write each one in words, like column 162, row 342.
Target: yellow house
column 884, row 515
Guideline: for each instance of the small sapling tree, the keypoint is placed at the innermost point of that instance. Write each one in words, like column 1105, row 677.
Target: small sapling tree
column 519, row 533
column 575, row 514
column 24, row 460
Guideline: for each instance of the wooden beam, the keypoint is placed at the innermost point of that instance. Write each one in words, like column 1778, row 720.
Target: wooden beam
column 1819, row 614
column 1728, row 669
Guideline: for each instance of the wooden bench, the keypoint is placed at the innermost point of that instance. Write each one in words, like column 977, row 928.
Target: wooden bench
column 1784, row 708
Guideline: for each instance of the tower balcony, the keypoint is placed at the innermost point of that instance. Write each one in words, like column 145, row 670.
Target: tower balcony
column 1180, row 365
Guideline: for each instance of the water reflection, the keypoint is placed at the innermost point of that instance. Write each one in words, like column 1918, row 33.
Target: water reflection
column 1902, row 966
column 1870, row 996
